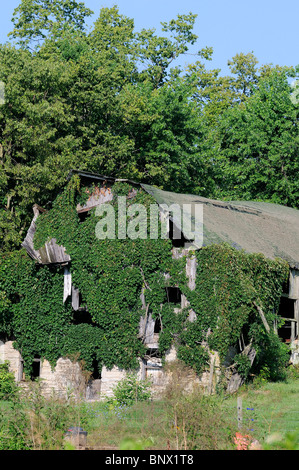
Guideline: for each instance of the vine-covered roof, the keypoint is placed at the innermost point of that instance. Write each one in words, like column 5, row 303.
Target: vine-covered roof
column 255, row 227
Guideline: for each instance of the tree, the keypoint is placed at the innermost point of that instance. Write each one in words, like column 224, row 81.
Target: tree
column 81, row 101
column 36, row 20
column 243, row 66
column 165, row 128
column 157, row 53
column 257, row 144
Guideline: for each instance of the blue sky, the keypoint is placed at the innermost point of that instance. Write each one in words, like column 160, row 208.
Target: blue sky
column 268, row 28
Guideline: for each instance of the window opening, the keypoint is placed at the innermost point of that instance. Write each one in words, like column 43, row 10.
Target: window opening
column 83, row 215
column 81, row 316
column 96, row 373
column 176, row 242
column 36, row 368
column 287, row 310
column 174, row 295
column 152, row 352
column 157, row 327
column 286, row 307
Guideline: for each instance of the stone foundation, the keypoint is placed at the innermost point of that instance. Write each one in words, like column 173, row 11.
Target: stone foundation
column 8, row 353
column 67, row 380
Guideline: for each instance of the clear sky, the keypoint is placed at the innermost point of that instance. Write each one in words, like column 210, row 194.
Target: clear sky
column 268, row 28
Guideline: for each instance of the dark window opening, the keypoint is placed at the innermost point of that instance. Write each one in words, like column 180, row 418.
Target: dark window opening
column 83, row 215
column 176, row 236
column 152, row 352
column 81, row 316
column 157, row 327
column 96, row 373
column 286, row 307
column 285, row 332
column 174, row 295
column 35, row 368
column 243, row 340
column 287, row 310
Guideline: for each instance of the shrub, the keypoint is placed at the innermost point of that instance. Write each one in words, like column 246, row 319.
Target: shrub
column 8, row 386
column 32, row 422
column 130, row 390
column 200, row 423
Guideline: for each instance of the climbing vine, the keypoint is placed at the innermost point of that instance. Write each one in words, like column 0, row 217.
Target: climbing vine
column 111, row 274
column 231, row 287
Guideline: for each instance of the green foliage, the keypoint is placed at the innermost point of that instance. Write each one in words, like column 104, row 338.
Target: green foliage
column 243, row 364
column 7, row 382
column 14, row 428
column 228, row 284
column 279, row 441
column 130, row 390
column 111, row 274
column 199, row 422
column 272, row 357
column 134, row 444
column 110, row 277
column 35, row 20
column 258, row 145
column 32, row 422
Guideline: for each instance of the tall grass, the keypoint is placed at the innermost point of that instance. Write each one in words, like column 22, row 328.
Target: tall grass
column 178, row 420
column 270, row 409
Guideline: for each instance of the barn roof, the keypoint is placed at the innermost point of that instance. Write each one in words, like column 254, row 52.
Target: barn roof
column 255, row 227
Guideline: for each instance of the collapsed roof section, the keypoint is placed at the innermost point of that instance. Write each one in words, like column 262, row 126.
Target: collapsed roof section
column 255, row 227
column 50, row 252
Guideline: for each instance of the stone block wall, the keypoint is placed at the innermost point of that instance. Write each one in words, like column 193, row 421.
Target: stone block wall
column 8, row 353
column 66, row 378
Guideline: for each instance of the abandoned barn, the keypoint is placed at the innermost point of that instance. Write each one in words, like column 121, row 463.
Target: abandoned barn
column 259, row 228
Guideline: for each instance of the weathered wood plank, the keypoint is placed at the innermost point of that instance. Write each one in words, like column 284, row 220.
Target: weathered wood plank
column 50, row 252
column 236, row 380
column 294, row 284
column 265, row 323
column 67, row 290
column 75, row 298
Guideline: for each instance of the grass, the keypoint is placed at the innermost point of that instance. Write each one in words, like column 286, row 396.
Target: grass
column 270, row 415
column 189, row 423
column 145, row 423
column 269, row 409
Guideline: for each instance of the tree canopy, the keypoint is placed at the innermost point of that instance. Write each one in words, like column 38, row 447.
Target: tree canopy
column 114, row 101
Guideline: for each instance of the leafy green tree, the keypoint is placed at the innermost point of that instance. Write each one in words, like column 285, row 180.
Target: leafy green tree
column 258, row 145
column 112, row 44
column 131, row 390
column 36, row 20
column 166, row 133
column 157, row 53
column 82, row 101
column 243, row 66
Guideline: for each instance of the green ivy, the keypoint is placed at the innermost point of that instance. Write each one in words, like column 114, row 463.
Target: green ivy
column 229, row 285
column 111, row 274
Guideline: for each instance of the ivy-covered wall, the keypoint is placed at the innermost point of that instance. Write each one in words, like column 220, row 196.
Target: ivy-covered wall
column 111, row 274
column 230, row 285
